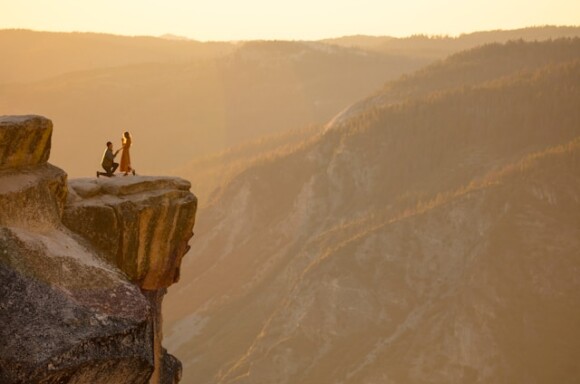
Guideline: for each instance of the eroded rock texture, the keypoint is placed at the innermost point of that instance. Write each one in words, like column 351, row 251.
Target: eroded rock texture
column 142, row 224
column 25, row 140
column 72, row 308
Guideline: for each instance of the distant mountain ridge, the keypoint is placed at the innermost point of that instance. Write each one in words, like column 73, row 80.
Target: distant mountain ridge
column 170, row 36
column 62, row 53
column 442, row 45
column 468, row 68
column 472, row 68
column 419, row 240
column 202, row 104
column 204, row 97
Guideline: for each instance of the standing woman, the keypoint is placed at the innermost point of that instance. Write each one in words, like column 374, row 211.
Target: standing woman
column 125, row 156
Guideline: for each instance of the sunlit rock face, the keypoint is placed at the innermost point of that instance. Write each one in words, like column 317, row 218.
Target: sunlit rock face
column 25, row 140
column 65, row 314
column 68, row 317
column 143, row 224
column 76, row 307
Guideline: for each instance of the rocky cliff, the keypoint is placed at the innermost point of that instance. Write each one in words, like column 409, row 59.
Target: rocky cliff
column 84, row 266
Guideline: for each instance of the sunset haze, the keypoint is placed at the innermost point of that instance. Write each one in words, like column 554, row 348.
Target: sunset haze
column 295, row 20
column 345, row 192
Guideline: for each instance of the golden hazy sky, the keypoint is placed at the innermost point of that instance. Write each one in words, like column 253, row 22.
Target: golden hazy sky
column 288, row 19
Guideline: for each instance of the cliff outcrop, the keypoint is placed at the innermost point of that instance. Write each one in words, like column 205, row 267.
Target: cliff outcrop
column 142, row 224
column 84, row 266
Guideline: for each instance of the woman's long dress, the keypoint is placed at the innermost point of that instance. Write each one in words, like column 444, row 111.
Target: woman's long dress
column 125, row 156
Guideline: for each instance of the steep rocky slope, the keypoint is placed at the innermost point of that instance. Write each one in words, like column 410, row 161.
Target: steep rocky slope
column 479, row 287
column 71, row 312
column 430, row 240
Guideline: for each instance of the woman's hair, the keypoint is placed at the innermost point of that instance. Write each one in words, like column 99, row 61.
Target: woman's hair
column 127, row 138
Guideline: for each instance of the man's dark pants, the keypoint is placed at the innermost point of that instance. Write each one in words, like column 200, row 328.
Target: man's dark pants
column 109, row 171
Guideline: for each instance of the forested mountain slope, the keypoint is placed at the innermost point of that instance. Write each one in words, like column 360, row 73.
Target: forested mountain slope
column 430, row 240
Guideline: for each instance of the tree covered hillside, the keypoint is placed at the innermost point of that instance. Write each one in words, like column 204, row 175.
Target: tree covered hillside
column 411, row 242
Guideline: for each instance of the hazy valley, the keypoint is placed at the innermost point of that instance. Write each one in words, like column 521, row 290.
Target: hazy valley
column 183, row 100
column 416, row 238
column 372, row 209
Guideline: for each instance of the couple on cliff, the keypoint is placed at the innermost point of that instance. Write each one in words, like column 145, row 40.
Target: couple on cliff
column 108, row 163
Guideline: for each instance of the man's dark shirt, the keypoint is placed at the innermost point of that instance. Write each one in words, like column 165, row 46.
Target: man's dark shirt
column 108, row 158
